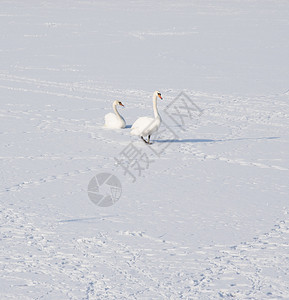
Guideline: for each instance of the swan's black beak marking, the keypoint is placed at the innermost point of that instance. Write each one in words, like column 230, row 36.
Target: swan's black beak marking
column 120, row 104
column 160, row 96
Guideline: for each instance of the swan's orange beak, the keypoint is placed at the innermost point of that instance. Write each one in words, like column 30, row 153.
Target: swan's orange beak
column 121, row 104
column 160, row 96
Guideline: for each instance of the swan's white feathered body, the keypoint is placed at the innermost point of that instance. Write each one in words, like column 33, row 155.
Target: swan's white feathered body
column 146, row 126
column 114, row 120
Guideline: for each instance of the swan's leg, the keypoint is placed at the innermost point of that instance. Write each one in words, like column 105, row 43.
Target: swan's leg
column 149, row 139
column 143, row 139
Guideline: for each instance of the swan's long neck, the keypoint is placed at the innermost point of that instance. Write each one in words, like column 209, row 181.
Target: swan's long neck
column 156, row 113
column 115, row 110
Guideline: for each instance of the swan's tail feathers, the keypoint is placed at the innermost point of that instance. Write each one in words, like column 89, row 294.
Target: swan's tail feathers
column 134, row 131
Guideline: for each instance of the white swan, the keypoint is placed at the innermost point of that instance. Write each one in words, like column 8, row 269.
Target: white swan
column 146, row 126
column 114, row 121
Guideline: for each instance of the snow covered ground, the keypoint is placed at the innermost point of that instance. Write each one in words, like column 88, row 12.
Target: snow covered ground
column 207, row 218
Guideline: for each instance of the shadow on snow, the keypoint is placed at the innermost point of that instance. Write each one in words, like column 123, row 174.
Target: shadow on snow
column 213, row 141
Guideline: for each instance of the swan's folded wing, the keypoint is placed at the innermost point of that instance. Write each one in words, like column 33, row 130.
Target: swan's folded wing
column 141, row 126
column 110, row 120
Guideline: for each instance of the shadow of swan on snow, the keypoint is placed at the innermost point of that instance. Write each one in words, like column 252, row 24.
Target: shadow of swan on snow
column 213, row 141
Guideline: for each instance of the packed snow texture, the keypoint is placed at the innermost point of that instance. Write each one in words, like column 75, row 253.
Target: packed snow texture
column 206, row 217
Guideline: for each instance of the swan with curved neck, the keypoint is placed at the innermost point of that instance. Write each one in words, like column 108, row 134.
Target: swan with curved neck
column 114, row 121
column 146, row 126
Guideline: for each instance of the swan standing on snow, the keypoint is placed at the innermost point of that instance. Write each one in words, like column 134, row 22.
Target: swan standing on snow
column 146, row 126
column 114, row 121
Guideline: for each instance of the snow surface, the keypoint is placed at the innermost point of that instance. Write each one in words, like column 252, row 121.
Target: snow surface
column 208, row 216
